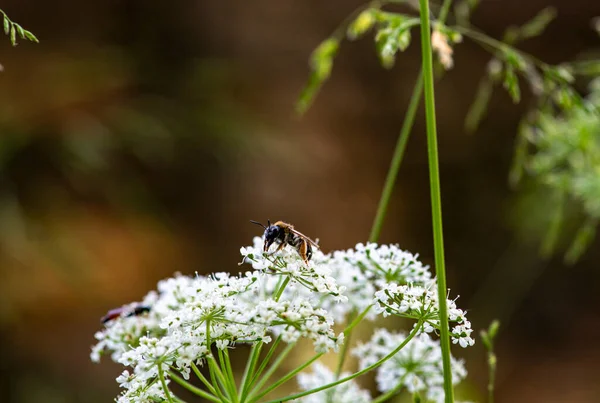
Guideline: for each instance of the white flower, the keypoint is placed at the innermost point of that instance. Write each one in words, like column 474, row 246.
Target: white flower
column 417, row 366
column 347, row 392
column 421, row 303
column 282, row 298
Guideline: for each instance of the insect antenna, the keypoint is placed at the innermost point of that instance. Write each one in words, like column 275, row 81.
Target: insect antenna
column 257, row 223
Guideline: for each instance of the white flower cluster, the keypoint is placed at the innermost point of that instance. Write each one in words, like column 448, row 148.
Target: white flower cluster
column 344, row 392
column 282, row 297
column 188, row 315
column 358, row 273
column 421, row 302
column 416, row 367
column 315, row 277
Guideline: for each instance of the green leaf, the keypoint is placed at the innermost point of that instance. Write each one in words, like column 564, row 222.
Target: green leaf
column 515, row 60
column 13, row 36
column 511, row 84
column 308, row 93
column 31, row 37
column 493, row 330
column 20, row 31
column 517, row 168
column 485, row 338
column 394, row 36
column 362, row 23
column 582, row 241
column 321, row 62
column 321, row 59
column 6, row 25
column 538, row 24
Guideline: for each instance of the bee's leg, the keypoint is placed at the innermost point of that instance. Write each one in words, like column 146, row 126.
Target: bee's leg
column 302, row 250
column 280, row 247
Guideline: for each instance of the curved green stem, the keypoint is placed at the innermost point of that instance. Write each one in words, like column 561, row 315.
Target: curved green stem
column 287, row 377
column 248, row 377
column 203, row 379
column 270, row 371
column 217, row 379
column 436, row 204
column 264, row 363
column 163, row 383
column 344, row 351
column 386, row 396
column 228, row 373
column 412, row 334
column 192, row 388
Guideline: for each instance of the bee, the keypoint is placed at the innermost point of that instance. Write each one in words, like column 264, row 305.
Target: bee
column 285, row 234
column 125, row 312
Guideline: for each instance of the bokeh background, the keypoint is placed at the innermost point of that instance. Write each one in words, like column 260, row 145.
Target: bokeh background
column 139, row 137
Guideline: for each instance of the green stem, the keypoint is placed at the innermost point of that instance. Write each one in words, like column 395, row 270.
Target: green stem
column 281, row 289
column 265, row 362
column 342, row 354
column 192, row 388
column 226, row 365
column 248, row 376
column 492, row 380
column 412, row 334
column 392, row 174
column 282, row 356
column 386, row 396
column 287, row 377
column 407, row 125
column 203, row 379
column 161, row 376
column 271, row 370
column 436, row 205
column 217, row 379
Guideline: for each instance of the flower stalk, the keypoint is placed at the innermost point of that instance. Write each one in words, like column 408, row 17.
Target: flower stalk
column 436, row 205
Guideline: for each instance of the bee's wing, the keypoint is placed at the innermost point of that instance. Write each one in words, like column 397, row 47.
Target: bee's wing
column 300, row 234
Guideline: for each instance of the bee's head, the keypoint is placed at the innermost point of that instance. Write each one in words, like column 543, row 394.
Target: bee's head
column 271, row 234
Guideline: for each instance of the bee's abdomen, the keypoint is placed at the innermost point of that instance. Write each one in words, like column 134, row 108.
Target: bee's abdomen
column 294, row 240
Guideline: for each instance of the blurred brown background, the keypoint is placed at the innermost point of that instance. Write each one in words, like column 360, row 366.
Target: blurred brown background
column 139, row 137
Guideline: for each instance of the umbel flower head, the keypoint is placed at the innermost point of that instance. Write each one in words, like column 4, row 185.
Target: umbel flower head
column 417, row 367
column 321, row 375
column 282, row 297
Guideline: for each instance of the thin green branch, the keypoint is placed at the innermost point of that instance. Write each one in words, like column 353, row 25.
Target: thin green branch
column 342, row 354
column 287, row 377
column 163, row 383
column 436, row 205
column 390, row 393
column 218, row 380
column 264, row 363
column 412, row 334
column 226, row 365
column 270, row 371
column 392, row 174
column 203, row 379
column 249, row 376
column 407, row 125
column 192, row 388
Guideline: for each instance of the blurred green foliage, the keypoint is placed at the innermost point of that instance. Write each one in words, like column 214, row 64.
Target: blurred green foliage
column 559, row 153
